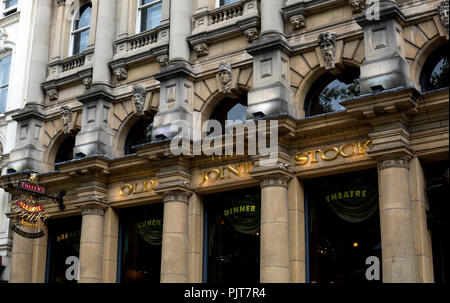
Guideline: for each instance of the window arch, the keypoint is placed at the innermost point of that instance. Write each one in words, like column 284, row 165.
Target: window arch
column 435, row 70
column 80, row 30
column 149, row 14
column 231, row 110
column 65, row 150
column 140, row 133
column 329, row 90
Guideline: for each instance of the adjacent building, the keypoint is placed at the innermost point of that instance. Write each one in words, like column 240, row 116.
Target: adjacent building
column 15, row 23
column 351, row 101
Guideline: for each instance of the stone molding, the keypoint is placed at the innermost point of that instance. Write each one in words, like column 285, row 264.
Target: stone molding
column 270, row 181
column 394, row 162
column 176, row 196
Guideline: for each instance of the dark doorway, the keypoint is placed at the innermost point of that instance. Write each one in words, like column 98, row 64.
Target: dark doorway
column 232, row 241
column 344, row 227
column 141, row 243
column 437, row 175
column 63, row 242
column 65, row 151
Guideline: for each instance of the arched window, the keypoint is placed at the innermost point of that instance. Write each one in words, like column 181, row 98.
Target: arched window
column 149, row 14
column 231, row 110
column 140, row 133
column 80, row 30
column 5, row 66
column 329, row 90
column 435, row 70
column 65, row 151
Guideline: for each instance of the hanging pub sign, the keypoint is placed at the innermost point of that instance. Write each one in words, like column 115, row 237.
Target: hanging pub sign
column 28, row 210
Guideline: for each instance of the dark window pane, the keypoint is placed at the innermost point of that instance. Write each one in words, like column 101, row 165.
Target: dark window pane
column 141, row 133
column 141, row 244
column 80, row 42
column 151, row 17
column 344, row 227
column 329, row 90
column 3, row 99
column 5, row 65
column 64, row 242
column 435, row 70
column 65, row 151
column 233, row 241
column 84, row 18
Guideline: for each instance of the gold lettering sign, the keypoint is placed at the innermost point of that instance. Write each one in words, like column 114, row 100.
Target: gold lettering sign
column 346, row 150
column 137, row 187
column 225, row 172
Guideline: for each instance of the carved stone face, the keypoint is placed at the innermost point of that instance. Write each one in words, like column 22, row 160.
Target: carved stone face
column 66, row 118
column 328, row 50
column 225, row 76
column 443, row 14
column 139, row 102
column 356, row 5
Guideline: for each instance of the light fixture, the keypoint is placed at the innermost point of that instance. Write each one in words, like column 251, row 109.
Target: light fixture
column 160, row 137
column 80, row 155
column 355, row 244
column 377, row 88
column 259, row 115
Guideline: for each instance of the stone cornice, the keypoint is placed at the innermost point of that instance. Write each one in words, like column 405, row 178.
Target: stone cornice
column 28, row 112
column 176, row 69
column 391, row 101
column 268, row 43
column 140, row 57
column 387, row 11
column 96, row 93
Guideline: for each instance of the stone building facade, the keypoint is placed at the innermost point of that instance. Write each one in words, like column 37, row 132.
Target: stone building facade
column 15, row 23
column 108, row 79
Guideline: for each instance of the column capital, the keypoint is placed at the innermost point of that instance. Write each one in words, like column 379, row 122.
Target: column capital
column 278, row 175
column 176, row 196
column 61, row 2
column 93, row 208
column 395, row 160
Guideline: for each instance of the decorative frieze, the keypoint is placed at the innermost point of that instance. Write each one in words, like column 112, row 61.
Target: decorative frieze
column 252, row 34
column 327, row 43
column 121, row 73
column 298, row 21
column 443, row 13
column 225, row 76
column 139, row 95
column 397, row 162
column 357, row 5
column 201, row 49
column 66, row 119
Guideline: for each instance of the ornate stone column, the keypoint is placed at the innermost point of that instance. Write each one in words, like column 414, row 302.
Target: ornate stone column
column 174, row 260
column 177, row 79
column 91, row 243
column 396, row 216
column 275, row 260
column 111, row 241
column 21, row 258
column 195, row 237
column 40, row 256
column 422, row 235
column 55, row 53
column 272, row 17
column 104, row 41
column 297, row 247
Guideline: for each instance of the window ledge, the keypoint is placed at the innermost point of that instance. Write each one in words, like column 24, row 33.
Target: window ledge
column 68, row 70
column 141, row 47
column 7, row 20
column 221, row 22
